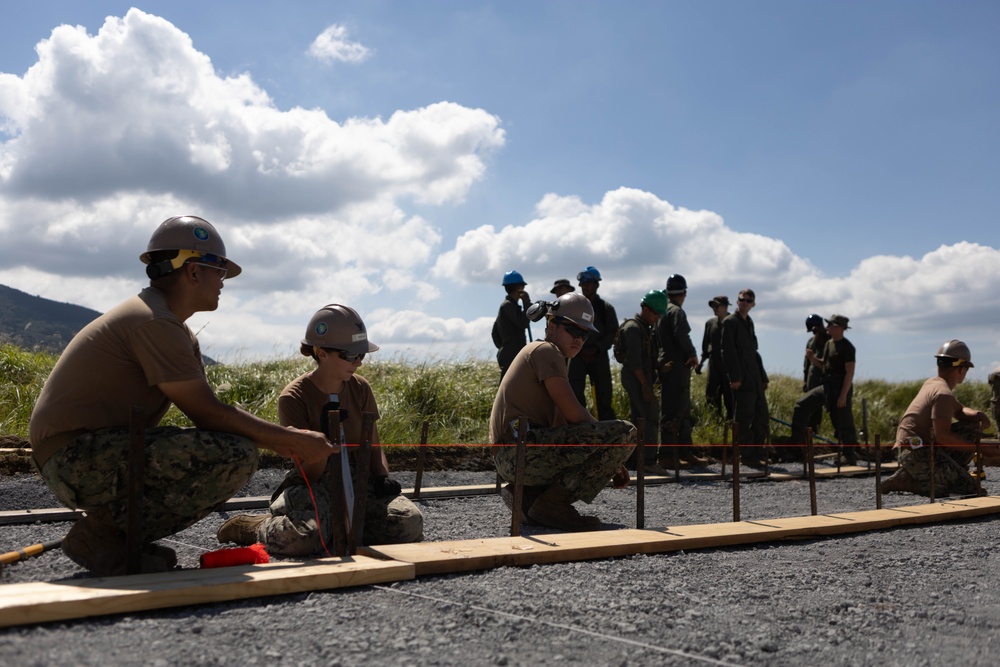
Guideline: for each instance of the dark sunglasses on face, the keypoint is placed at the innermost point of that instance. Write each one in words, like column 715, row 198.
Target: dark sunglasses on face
column 575, row 332
column 742, row 300
column 346, row 356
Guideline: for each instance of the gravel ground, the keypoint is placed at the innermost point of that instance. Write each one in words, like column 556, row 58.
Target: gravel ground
column 906, row 596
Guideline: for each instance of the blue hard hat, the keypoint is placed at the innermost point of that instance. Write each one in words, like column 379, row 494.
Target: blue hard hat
column 590, row 274
column 512, row 278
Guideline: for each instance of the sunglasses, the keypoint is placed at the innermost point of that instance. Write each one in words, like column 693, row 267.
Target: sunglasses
column 574, row 331
column 221, row 269
column 346, row 356
column 742, row 300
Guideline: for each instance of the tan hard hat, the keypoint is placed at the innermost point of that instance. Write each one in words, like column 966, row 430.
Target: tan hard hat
column 957, row 351
column 338, row 327
column 576, row 308
column 193, row 234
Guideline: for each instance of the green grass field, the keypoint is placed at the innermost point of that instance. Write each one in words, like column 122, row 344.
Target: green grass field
column 454, row 397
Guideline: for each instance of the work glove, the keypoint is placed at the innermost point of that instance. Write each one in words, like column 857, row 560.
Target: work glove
column 697, row 369
column 385, row 487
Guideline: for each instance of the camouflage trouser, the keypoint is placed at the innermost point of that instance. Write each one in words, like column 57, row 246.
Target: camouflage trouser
column 951, row 470
column 951, row 467
column 189, row 473
column 291, row 528
column 581, row 470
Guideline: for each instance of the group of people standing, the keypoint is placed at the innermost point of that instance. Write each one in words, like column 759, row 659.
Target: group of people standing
column 655, row 346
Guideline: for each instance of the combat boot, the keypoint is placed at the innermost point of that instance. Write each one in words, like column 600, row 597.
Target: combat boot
column 528, row 497
column 97, row 544
column 901, row 481
column 656, row 469
column 554, row 508
column 241, row 529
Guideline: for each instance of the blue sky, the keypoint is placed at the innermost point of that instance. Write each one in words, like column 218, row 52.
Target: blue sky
column 834, row 156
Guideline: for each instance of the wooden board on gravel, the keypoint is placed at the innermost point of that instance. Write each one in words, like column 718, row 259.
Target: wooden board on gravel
column 40, row 602
column 469, row 555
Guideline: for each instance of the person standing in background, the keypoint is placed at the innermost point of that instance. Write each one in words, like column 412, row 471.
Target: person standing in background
column 511, row 323
column 717, row 391
column 592, row 361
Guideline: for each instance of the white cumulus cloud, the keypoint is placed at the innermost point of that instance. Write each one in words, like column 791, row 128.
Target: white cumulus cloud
column 332, row 45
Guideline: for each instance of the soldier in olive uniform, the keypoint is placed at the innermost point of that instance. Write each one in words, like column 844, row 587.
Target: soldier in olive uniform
column 747, row 376
column 592, row 361
column 838, row 363
column 638, row 357
column 676, row 359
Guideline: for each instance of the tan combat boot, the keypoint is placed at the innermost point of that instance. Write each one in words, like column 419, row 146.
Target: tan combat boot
column 554, row 508
column 901, row 481
column 528, row 497
column 97, row 544
column 241, row 529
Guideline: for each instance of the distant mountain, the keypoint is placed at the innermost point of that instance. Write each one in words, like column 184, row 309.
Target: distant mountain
column 35, row 323
column 43, row 325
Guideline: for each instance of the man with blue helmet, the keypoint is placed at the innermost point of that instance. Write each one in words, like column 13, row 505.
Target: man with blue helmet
column 593, row 360
column 511, row 322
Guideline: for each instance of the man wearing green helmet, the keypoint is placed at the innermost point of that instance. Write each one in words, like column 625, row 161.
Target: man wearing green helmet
column 636, row 350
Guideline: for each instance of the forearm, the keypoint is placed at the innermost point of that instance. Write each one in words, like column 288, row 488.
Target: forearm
column 845, row 389
column 379, row 463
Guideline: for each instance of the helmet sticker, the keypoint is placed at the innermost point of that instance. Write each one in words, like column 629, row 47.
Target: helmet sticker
column 587, row 317
column 359, row 336
column 321, row 328
column 200, row 233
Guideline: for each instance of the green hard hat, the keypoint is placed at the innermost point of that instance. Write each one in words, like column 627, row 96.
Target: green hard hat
column 657, row 300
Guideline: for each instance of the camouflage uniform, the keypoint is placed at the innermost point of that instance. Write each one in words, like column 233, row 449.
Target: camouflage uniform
column 951, row 467
column 583, row 471
column 291, row 528
column 189, row 474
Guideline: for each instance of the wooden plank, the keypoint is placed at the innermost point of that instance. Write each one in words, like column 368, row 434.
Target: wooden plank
column 469, row 555
column 42, row 602
column 52, row 515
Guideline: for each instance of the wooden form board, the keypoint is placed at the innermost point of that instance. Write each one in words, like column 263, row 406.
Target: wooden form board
column 469, row 555
column 22, row 604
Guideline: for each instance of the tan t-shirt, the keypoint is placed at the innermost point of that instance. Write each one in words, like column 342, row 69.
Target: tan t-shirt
column 301, row 405
column 933, row 401
column 522, row 391
column 114, row 362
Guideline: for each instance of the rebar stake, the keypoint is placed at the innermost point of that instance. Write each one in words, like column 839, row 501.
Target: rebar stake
column 736, row 472
column 878, row 471
column 518, row 502
column 812, row 471
column 640, row 474
column 421, row 459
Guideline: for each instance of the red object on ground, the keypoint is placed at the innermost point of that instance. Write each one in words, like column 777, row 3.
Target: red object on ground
column 251, row 555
